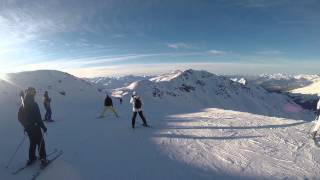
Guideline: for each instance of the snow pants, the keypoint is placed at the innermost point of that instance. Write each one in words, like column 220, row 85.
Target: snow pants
column 110, row 108
column 36, row 140
column 47, row 116
column 134, row 118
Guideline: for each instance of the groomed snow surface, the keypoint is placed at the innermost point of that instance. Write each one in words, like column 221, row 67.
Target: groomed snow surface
column 190, row 141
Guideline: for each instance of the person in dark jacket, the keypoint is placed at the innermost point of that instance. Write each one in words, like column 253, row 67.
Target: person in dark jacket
column 47, row 106
column 30, row 117
column 108, row 105
column 137, row 109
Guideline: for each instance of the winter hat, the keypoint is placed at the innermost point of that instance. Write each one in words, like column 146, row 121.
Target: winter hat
column 134, row 93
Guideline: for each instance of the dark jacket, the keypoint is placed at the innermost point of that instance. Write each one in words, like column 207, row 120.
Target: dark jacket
column 46, row 101
column 108, row 101
column 29, row 114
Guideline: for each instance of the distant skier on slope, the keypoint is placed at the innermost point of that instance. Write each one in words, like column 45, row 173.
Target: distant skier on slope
column 47, row 106
column 137, row 108
column 108, row 105
column 30, row 117
column 317, row 126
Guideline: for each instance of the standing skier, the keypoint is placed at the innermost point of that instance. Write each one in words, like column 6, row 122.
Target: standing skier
column 137, row 108
column 47, row 106
column 108, row 105
column 317, row 126
column 30, row 117
column 120, row 100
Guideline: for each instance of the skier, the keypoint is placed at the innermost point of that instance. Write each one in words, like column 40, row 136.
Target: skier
column 317, row 126
column 108, row 105
column 30, row 117
column 46, row 103
column 137, row 108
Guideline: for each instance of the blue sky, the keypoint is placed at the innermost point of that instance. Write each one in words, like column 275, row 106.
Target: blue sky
column 117, row 37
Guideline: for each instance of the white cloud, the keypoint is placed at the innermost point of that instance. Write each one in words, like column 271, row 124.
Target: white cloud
column 218, row 52
column 178, row 45
column 270, row 52
column 217, row 68
column 84, row 63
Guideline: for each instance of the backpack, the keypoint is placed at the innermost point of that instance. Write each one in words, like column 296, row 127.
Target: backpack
column 137, row 103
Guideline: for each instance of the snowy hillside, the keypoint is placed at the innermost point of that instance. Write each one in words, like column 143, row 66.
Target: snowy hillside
column 303, row 89
column 201, row 89
column 203, row 127
column 313, row 88
column 115, row 82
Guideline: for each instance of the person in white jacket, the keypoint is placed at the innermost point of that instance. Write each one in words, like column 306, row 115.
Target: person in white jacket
column 317, row 126
column 137, row 108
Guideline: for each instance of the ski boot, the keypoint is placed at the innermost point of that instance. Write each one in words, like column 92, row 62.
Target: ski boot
column 43, row 163
column 31, row 161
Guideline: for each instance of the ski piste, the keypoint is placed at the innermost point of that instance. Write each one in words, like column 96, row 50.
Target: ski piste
column 26, row 166
column 36, row 174
column 148, row 126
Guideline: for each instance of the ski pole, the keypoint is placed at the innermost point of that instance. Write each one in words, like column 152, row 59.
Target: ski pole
column 42, row 142
column 14, row 154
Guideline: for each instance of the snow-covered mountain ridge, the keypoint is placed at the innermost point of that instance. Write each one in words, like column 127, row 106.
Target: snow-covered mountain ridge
column 204, row 89
column 108, row 83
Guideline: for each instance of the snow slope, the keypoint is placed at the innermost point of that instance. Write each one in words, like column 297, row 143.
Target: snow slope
column 313, row 88
column 190, row 139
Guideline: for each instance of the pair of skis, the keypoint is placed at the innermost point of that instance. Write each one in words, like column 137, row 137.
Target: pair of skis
column 38, row 172
column 52, row 156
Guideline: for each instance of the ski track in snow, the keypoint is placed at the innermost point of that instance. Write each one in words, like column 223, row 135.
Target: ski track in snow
column 210, row 143
column 282, row 151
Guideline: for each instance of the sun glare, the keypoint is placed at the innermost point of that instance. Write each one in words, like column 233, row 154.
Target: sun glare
column 2, row 76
